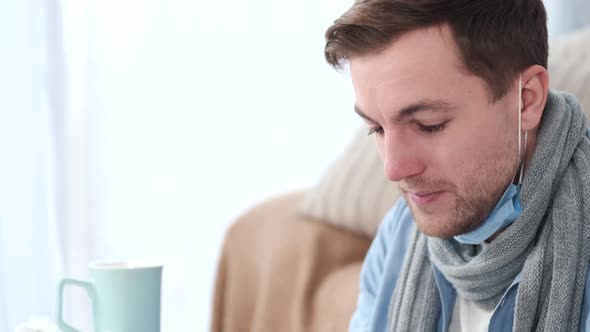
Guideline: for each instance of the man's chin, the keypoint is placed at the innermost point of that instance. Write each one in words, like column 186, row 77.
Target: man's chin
column 438, row 231
column 440, row 225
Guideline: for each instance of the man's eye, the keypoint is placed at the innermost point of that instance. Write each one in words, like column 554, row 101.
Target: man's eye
column 432, row 129
column 376, row 130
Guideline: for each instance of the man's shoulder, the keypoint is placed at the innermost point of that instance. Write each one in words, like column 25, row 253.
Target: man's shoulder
column 398, row 222
column 399, row 216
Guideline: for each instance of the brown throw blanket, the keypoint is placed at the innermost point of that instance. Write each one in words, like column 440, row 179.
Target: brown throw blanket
column 279, row 272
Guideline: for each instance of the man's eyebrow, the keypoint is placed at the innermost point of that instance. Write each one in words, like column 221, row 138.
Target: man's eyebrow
column 425, row 105
column 363, row 115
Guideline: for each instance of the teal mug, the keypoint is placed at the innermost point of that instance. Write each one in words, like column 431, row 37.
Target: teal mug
column 125, row 297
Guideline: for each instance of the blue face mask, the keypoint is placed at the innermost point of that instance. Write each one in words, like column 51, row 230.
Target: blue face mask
column 504, row 214
column 508, row 207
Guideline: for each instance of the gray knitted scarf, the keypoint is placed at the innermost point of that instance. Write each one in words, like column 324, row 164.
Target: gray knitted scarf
column 549, row 242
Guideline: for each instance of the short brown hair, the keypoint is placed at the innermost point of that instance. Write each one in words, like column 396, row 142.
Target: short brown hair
column 496, row 39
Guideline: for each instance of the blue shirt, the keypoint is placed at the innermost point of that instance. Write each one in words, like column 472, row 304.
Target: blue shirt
column 383, row 264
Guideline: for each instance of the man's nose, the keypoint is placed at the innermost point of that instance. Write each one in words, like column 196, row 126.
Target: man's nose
column 400, row 159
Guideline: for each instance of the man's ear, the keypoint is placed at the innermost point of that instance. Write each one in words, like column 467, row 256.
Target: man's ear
column 535, row 86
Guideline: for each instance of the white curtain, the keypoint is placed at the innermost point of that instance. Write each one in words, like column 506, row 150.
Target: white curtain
column 141, row 129
column 29, row 246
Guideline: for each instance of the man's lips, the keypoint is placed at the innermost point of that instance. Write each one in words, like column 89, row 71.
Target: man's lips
column 424, row 198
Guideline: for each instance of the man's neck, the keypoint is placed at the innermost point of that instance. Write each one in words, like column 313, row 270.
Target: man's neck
column 530, row 151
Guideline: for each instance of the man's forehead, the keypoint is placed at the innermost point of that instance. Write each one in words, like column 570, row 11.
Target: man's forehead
column 430, row 45
column 421, row 70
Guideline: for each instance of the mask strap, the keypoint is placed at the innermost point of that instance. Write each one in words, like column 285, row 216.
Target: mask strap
column 520, row 132
column 520, row 153
column 523, row 159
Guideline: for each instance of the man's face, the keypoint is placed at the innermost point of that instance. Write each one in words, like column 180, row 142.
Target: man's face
column 451, row 150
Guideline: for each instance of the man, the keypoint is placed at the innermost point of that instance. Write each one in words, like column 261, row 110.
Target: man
column 492, row 231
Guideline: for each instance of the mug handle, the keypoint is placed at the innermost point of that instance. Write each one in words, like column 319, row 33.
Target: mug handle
column 90, row 290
